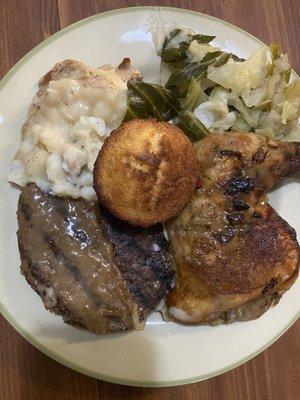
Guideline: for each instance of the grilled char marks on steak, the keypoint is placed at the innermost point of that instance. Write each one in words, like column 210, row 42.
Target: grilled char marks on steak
column 143, row 257
column 69, row 262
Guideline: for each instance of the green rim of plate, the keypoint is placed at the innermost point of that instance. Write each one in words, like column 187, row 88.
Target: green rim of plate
column 15, row 323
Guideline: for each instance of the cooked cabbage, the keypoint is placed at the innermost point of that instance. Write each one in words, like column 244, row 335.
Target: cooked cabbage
column 294, row 136
column 214, row 113
column 227, row 93
column 253, row 96
column 240, row 76
column 197, row 51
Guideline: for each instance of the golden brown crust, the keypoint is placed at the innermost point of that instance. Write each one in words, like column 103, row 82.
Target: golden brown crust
column 231, row 248
column 146, row 172
column 67, row 69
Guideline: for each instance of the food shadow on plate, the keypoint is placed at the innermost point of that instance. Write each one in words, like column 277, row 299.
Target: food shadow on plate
column 137, row 352
column 74, row 335
column 279, row 202
column 286, row 182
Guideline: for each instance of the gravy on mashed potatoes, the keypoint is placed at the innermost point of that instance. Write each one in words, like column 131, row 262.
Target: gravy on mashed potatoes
column 75, row 108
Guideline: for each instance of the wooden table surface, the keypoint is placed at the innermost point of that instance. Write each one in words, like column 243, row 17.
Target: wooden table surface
column 27, row 374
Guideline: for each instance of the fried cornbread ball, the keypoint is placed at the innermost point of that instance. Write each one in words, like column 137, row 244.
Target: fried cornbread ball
column 146, row 172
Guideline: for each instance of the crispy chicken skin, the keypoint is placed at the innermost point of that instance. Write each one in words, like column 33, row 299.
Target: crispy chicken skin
column 235, row 255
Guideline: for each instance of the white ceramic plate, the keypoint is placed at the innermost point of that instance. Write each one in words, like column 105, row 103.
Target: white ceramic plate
column 164, row 354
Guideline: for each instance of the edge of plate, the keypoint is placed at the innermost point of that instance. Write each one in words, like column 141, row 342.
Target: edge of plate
column 129, row 382
column 5, row 313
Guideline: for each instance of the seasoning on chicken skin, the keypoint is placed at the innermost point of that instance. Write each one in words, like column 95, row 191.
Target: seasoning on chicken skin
column 235, row 255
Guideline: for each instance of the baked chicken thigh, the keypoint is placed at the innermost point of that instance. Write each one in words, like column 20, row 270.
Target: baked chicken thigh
column 235, row 255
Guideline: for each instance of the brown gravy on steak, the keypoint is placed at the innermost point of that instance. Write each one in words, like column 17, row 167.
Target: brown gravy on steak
column 70, row 263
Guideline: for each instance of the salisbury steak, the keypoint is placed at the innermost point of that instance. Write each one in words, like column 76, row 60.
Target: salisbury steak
column 143, row 257
column 94, row 280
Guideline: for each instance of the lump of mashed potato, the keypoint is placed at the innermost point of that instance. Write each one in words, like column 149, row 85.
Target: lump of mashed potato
column 75, row 108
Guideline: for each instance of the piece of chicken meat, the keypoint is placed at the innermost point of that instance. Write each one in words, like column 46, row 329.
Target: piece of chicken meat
column 235, row 255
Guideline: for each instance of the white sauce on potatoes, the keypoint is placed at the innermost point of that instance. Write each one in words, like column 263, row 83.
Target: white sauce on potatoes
column 61, row 140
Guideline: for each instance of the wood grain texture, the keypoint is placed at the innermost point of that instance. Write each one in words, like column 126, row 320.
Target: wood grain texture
column 25, row 373
column 23, row 25
column 269, row 20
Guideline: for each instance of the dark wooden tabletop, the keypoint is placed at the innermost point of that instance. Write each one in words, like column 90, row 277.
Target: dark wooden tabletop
column 27, row 374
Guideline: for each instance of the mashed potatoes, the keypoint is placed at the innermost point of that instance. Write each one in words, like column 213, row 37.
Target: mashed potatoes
column 76, row 107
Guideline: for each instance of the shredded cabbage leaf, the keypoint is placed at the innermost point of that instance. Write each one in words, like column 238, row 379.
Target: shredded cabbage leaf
column 197, row 51
column 225, row 92
column 239, row 76
column 208, row 90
